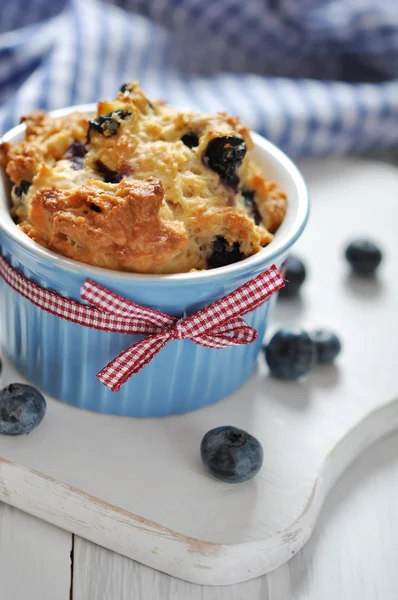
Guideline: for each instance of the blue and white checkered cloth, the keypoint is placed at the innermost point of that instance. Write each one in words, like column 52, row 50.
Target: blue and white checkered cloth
column 317, row 77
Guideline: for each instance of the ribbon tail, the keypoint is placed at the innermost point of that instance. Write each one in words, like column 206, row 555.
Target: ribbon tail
column 233, row 325
column 132, row 360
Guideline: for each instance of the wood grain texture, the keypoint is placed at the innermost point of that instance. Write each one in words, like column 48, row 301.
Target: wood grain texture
column 114, row 480
column 279, row 584
column 351, row 554
column 34, row 558
column 353, row 550
column 100, row 574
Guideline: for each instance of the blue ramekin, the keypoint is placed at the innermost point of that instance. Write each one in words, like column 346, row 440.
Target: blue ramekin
column 63, row 359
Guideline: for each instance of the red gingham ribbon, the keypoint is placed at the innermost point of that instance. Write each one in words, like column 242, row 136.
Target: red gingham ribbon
column 219, row 325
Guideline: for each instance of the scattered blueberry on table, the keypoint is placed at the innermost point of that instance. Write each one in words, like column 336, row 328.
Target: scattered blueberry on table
column 230, row 454
column 295, row 276
column 22, row 408
column 290, row 354
column 327, row 346
column 363, row 256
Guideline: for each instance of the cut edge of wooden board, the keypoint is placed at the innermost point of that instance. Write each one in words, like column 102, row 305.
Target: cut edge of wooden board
column 193, row 560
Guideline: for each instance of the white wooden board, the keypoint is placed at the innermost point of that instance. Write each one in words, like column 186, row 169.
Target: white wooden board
column 137, row 487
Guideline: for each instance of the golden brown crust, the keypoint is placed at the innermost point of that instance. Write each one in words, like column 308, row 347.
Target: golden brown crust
column 108, row 225
column 46, row 140
column 270, row 201
column 125, row 192
column 4, row 150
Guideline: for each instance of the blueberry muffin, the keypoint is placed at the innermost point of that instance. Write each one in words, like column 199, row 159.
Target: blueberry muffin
column 142, row 187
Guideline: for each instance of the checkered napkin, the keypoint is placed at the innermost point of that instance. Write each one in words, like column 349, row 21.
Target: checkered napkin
column 315, row 76
column 219, row 325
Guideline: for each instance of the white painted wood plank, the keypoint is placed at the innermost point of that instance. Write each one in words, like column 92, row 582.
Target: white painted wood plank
column 279, row 583
column 34, row 558
column 105, row 575
column 116, row 483
column 353, row 550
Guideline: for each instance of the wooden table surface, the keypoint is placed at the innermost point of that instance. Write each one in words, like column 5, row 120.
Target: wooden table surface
column 351, row 555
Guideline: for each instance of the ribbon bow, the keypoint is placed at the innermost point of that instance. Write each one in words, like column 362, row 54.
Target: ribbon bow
column 219, row 325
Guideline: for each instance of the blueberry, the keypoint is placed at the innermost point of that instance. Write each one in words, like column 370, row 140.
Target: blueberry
column 248, row 198
column 76, row 153
column 231, row 454
column 17, row 193
column 108, row 175
column 94, row 207
column 22, row 408
column 190, row 139
column 224, row 155
column 290, row 354
column 21, row 188
column 76, row 149
column 223, row 254
column 107, row 125
column 295, row 275
column 327, row 346
column 125, row 89
column 364, row 256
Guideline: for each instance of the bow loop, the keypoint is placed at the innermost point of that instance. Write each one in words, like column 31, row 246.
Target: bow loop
column 219, row 325
column 109, row 302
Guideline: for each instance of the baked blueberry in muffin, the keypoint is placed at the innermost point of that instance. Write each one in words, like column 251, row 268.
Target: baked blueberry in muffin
column 142, row 187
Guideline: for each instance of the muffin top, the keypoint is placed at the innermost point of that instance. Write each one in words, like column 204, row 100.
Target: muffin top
column 142, row 187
